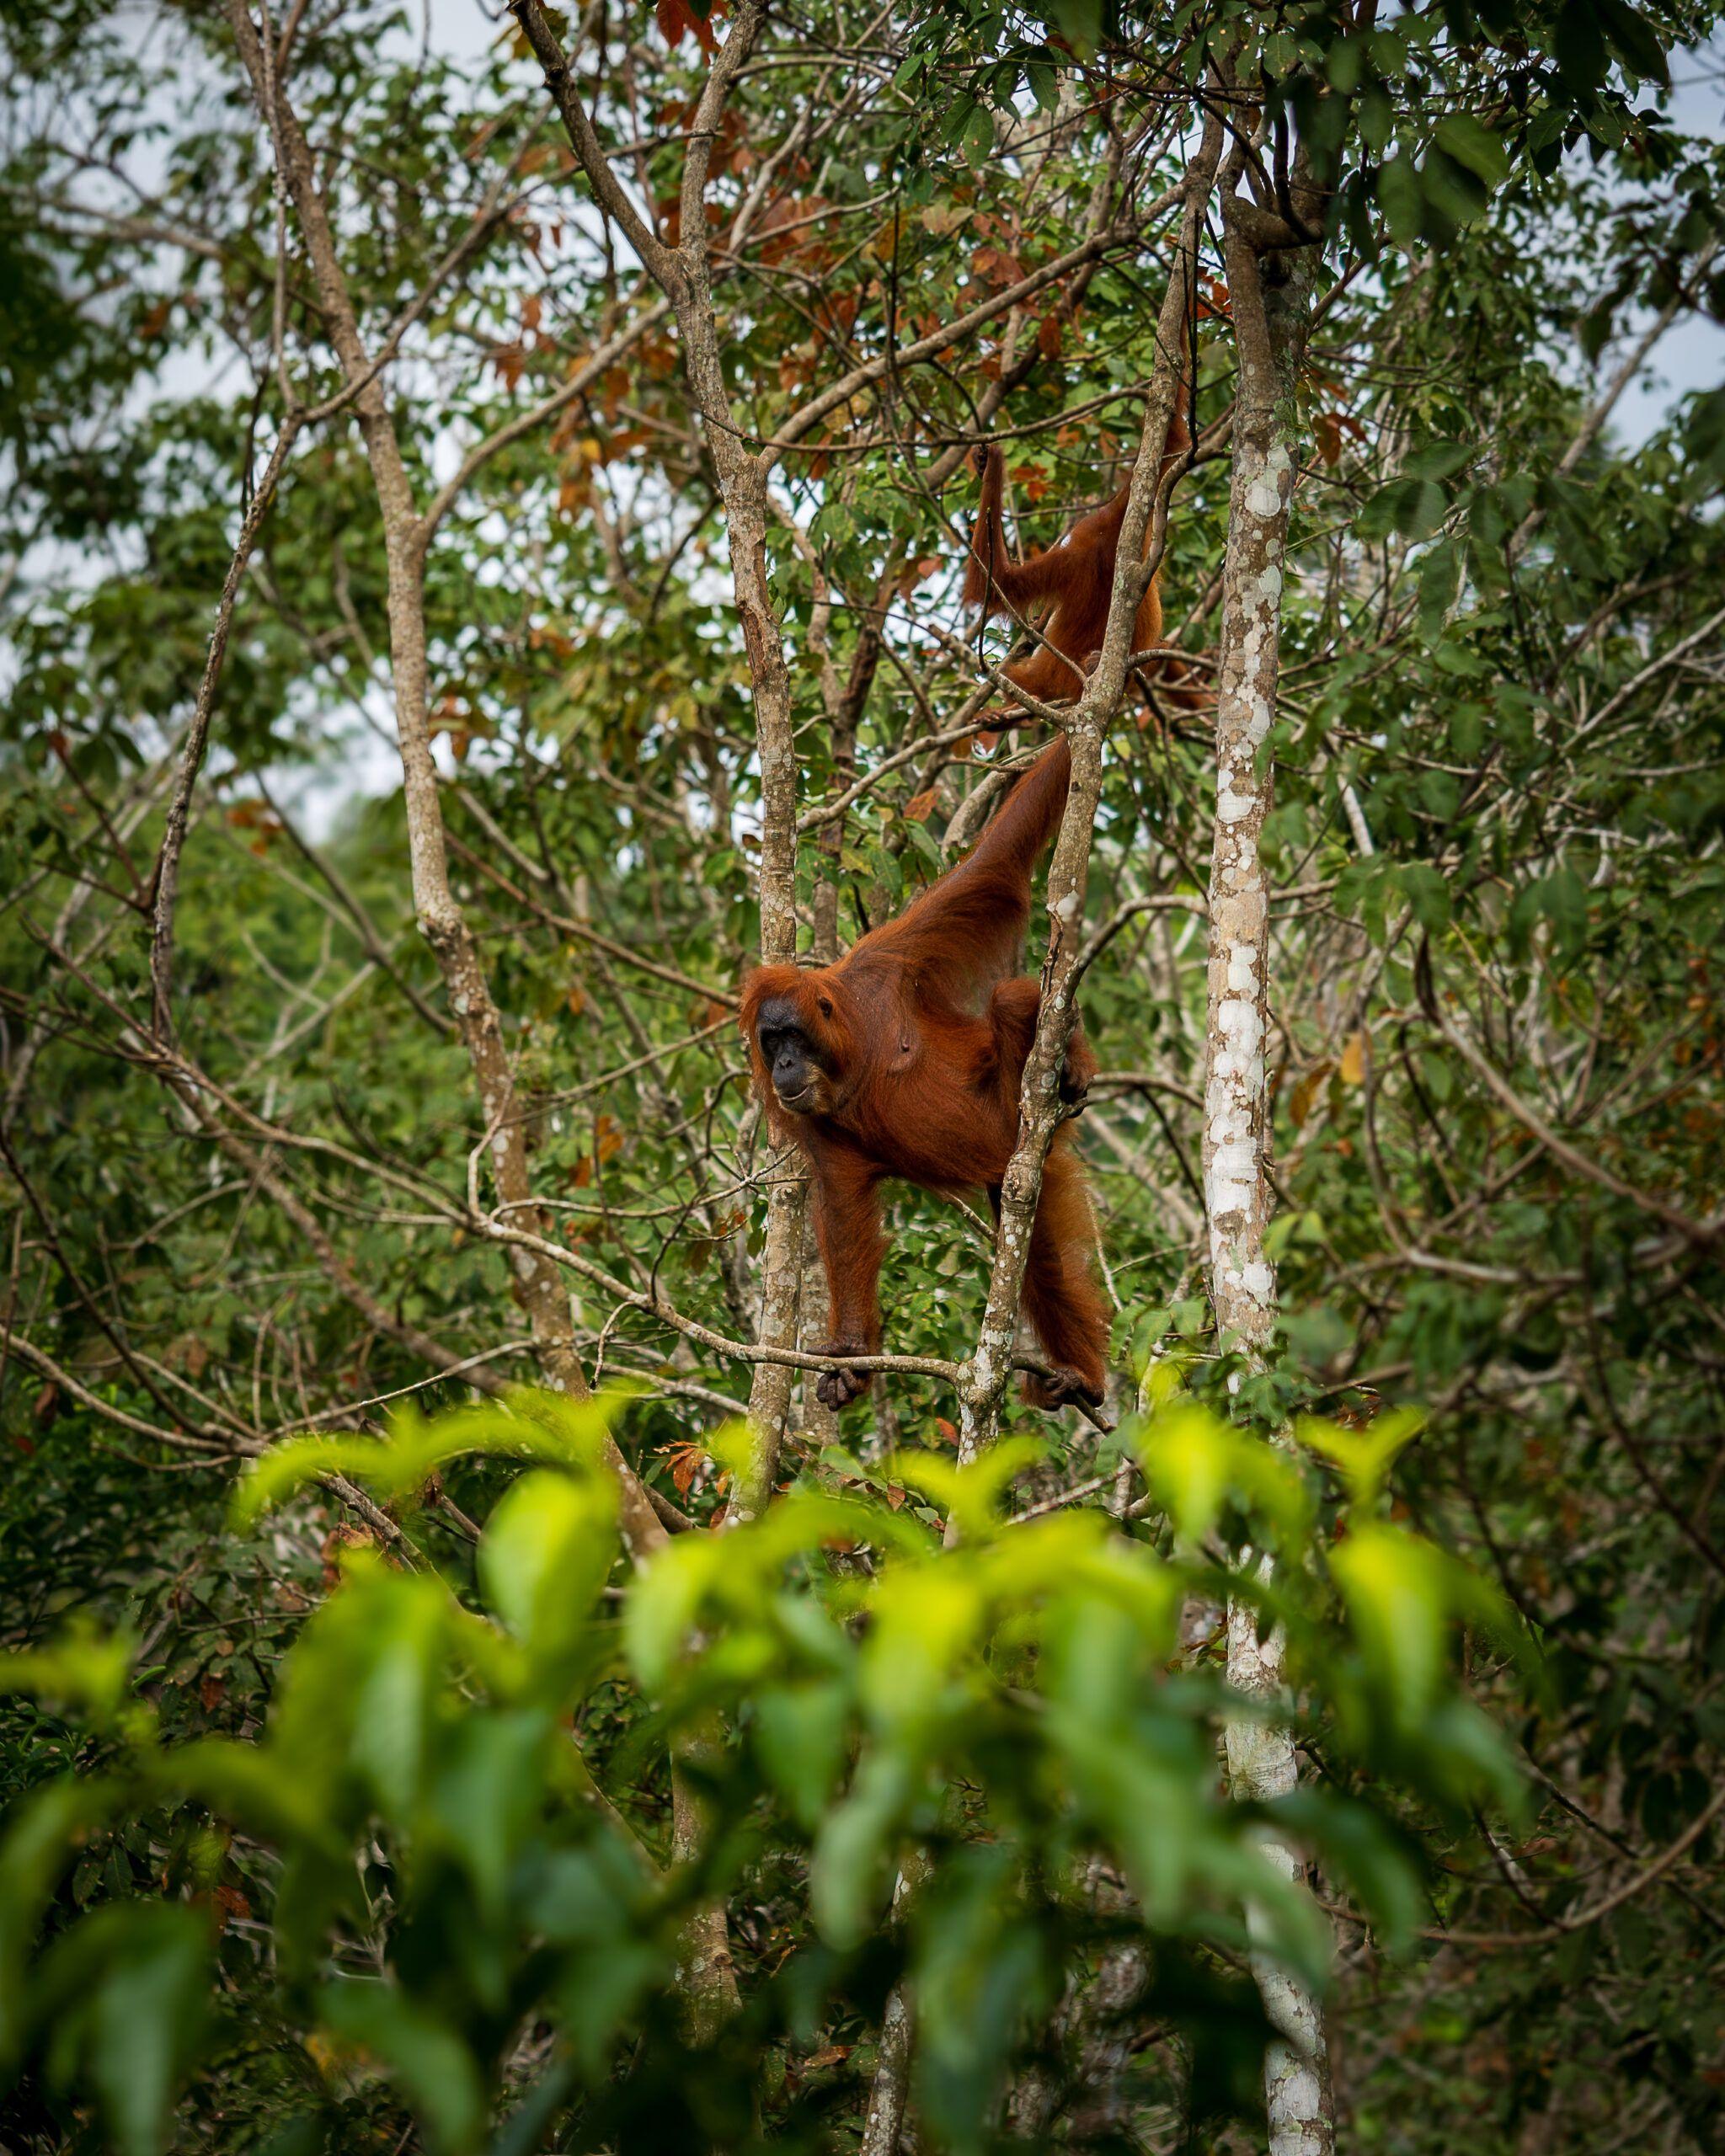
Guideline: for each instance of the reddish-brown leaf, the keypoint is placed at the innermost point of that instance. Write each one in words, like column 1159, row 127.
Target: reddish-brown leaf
column 677, row 18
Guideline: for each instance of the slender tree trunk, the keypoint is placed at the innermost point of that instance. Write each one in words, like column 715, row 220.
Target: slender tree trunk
column 1272, row 299
column 538, row 1284
column 1039, row 1112
column 684, row 274
column 707, row 1974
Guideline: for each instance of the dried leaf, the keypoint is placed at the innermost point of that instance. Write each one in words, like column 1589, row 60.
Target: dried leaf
column 1300, row 1102
column 677, row 18
column 997, row 266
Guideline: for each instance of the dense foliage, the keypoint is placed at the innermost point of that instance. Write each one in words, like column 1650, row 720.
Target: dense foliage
column 362, row 1787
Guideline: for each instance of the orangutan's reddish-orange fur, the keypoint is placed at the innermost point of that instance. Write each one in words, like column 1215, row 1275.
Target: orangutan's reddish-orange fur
column 905, row 1060
column 1068, row 584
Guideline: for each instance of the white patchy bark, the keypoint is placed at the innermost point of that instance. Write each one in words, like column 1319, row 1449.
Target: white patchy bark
column 890, row 2092
column 1272, row 298
column 1262, row 1766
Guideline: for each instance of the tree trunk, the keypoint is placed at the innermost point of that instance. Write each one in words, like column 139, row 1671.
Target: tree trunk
column 1271, row 301
column 1039, row 1112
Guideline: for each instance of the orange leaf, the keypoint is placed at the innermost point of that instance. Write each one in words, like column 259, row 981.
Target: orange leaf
column 676, row 18
column 686, row 1460
column 1033, row 479
column 1306, row 1092
column 232, row 1900
column 997, row 266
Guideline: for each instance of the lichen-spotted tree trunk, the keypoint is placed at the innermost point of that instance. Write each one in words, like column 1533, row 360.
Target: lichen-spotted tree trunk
column 1271, row 289
column 1272, row 294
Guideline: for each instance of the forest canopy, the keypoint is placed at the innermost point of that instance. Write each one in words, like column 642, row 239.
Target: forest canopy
column 485, row 503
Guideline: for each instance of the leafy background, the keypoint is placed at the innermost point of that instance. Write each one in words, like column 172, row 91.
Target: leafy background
column 346, row 1819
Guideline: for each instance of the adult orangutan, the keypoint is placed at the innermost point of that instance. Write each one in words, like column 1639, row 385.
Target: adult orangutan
column 1068, row 584
column 891, row 1064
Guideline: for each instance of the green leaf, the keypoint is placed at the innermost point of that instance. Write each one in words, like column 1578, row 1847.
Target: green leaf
column 1565, row 904
column 1427, row 893
column 1704, row 433
column 982, row 1970
column 1345, row 64
column 1401, row 198
column 1593, row 331
column 971, row 1495
column 127, row 1993
column 847, row 1878
column 1439, row 460
column 1455, row 190
column 978, row 144
column 927, row 1620
column 529, row 1425
column 1080, row 22
column 1578, row 49
column 86, row 1671
column 1196, row 1463
column 1440, row 795
column 1380, row 1865
column 801, row 1732
column 44, row 1831
column 1437, row 579
column 432, row 2067
column 663, row 1600
column 1421, row 509
column 1413, row 508
column 1637, row 43
column 1476, row 147
column 490, row 1788
column 547, row 1549
column 393, row 1690
column 1393, row 1586
column 1364, row 1457
column 1377, row 120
